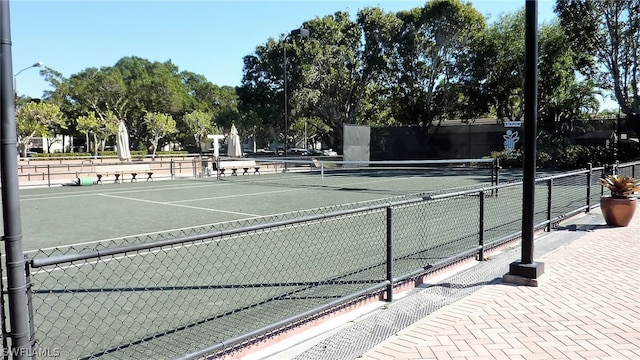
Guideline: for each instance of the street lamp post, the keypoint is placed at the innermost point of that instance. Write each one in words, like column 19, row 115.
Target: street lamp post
column 15, row 88
column 302, row 32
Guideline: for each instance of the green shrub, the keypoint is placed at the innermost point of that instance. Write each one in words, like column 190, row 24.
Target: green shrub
column 181, row 152
column 44, row 156
column 544, row 160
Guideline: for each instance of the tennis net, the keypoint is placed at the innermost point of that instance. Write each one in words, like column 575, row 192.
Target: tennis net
column 392, row 177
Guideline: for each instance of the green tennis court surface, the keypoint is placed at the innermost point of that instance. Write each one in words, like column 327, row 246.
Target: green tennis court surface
column 62, row 216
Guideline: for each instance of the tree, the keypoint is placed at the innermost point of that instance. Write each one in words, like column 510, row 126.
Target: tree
column 152, row 87
column 431, row 41
column 608, row 32
column 134, row 87
column 564, row 97
column 159, row 125
column 101, row 91
column 504, row 50
column 99, row 128
column 260, row 94
column 339, row 69
column 37, row 118
column 199, row 124
column 328, row 74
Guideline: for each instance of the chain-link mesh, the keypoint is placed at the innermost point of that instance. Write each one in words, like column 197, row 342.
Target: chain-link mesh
column 502, row 213
column 629, row 169
column 92, row 307
column 568, row 193
column 596, row 189
column 207, row 285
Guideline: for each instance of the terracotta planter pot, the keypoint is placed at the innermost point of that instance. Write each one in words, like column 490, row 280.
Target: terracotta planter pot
column 618, row 212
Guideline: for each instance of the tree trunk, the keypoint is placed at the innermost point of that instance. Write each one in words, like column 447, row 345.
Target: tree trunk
column 95, row 147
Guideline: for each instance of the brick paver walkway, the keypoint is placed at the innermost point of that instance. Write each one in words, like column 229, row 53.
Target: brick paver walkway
column 587, row 307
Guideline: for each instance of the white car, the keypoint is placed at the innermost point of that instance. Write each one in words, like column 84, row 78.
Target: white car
column 329, row 153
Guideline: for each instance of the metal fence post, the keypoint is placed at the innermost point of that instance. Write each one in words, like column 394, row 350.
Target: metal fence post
column 481, row 229
column 498, row 167
column 3, row 317
column 390, row 253
column 589, row 174
column 32, row 329
column 550, row 187
column 48, row 175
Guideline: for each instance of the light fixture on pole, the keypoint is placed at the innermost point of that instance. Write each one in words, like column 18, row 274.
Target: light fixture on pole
column 302, row 32
column 38, row 64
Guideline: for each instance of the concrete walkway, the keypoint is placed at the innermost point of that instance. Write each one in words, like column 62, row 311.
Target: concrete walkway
column 586, row 307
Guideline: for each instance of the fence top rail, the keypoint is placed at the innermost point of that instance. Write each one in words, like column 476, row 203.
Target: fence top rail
column 309, row 160
column 564, row 175
column 631, row 163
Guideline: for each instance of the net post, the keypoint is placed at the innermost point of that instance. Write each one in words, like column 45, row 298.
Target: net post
column 322, row 172
column 495, row 169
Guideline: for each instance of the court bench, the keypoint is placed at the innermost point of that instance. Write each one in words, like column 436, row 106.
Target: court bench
column 234, row 165
column 119, row 171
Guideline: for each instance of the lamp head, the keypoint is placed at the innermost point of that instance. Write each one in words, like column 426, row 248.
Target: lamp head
column 38, row 64
column 300, row 32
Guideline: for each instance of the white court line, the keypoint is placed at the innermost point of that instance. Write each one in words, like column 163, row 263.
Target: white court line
column 177, row 205
column 235, row 195
column 115, row 191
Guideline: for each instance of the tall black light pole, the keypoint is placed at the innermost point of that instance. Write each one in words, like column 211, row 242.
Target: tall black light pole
column 12, row 238
column 302, row 32
column 527, row 271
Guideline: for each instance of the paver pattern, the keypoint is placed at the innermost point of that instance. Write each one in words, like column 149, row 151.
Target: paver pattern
column 586, row 307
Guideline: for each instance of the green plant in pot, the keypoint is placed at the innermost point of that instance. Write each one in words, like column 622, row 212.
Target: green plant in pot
column 618, row 209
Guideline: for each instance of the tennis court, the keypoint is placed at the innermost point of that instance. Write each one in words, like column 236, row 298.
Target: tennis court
column 75, row 215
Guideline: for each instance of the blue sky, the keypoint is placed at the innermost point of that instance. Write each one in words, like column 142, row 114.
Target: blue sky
column 208, row 37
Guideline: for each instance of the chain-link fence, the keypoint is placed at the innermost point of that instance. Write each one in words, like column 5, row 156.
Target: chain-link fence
column 631, row 169
column 209, row 290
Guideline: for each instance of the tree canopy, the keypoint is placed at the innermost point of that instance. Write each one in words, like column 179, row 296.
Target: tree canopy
column 607, row 37
column 420, row 66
